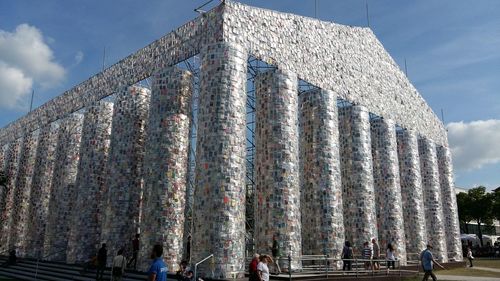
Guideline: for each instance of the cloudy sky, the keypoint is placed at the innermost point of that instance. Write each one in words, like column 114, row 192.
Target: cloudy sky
column 452, row 50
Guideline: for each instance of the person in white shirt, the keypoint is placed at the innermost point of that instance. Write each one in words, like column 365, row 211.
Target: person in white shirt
column 391, row 256
column 469, row 255
column 262, row 269
column 118, row 268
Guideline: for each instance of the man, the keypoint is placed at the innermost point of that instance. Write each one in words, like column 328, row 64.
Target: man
column 367, row 255
column 135, row 251
column 102, row 257
column 118, row 267
column 376, row 254
column 252, row 268
column 427, row 260
column 158, row 269
column 275, row 250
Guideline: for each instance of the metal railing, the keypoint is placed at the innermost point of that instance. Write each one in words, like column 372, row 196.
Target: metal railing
column 198, row 263
column 44, row 257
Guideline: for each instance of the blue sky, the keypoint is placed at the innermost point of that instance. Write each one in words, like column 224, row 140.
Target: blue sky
column 452, row 49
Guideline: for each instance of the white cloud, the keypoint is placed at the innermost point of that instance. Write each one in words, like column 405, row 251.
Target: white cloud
column 78, row 57
column 474, row 144
column 25, row 60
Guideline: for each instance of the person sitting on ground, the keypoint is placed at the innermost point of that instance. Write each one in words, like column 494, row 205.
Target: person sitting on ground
column 252, row 268
column 367, row 255
column 158, row 269
column 262, row 268
column 118, row 267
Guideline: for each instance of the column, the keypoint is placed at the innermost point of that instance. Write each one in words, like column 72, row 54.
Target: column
column 11, row 169
column 41, row 188
column 63, row 187
column 358, row 194
column 387, row 186
column 411, row 194
column 449, row 200
column 321, row 187
column 3, row 152
column 432, row 198
column 86, row 217
column 166, row 165
column 124, row 172
column 23, row 192
column 277, row 186
column 219, row 200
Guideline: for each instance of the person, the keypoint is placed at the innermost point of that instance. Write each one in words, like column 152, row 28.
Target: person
column 469, row 255
column 376, row 254
column 262, row 268
column 91, row 263
column 347, row 255
column 367, row 255
column 275, row 250
column 390, row 256
column 118, row 267
column 12, row 260
column 135, row 251
column 428, row 260
column 158, row 269
column 189, row 276
column 183, row 270
column 252, row 268
column 102, row 257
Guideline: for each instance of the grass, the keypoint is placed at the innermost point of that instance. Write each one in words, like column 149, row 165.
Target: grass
column 468, row 272
column 487, row 263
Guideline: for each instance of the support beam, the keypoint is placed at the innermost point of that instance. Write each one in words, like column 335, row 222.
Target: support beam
column 41, row 188
column 321, row 187
column 87, row 214
column 125, row 174
column 387, row 187
column 219, row 201
column 63, row 187
column 277, row 179
column 432, row 198
column 411, row 194
column 166, row 166
column 23, row 193
column 449, row 199
column 358, row 195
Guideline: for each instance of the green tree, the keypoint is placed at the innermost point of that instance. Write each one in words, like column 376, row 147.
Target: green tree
column 481, row 208
column 464, row 215
column 496, row 203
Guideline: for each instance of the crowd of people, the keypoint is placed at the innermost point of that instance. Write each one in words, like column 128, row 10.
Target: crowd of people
column 370, row 254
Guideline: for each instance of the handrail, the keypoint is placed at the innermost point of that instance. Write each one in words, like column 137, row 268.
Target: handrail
column 198, row 263
column 46, row 256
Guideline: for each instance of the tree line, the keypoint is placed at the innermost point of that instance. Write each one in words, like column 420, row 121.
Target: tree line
column 478, row 206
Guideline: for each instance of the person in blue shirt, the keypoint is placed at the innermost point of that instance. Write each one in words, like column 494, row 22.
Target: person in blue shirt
column 158, row 269
column 428, row 260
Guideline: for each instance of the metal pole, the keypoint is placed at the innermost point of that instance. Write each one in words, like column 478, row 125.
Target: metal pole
column 367, row 16
column 32, row 95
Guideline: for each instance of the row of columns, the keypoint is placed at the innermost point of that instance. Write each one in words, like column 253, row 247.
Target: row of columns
column 323, row 174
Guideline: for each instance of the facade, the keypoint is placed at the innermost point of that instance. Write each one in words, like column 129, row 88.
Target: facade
column 357, row 155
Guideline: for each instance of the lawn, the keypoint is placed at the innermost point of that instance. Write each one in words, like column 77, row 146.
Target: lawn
column 468, row 272
column 487, row 263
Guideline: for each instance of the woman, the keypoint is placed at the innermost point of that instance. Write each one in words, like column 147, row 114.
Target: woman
column 252, row 268
column 262, row 269
column 391, row 257
column 469, row 255
column 119, row 263
column 347, row 255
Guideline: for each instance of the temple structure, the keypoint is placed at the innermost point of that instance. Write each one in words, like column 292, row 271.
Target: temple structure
column 257, row 128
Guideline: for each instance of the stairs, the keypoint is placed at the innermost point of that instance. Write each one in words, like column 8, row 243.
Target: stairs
column 25, row 270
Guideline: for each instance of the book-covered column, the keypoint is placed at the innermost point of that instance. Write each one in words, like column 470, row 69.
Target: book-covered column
column 166, row 165
column 387, row 186
column 124, row 172
column 321, row 187
column 86, row 216
column 434, row 221
column 277, row 181
column 41, row 188
column 219, row 200
column 23, row 192
column 449, row 199
column 358, row 195
column 63, row 187
column 411, row 193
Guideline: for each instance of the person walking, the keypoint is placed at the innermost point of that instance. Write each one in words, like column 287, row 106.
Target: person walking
column 367, row 255
column 390, row 256
column 376, row 254
column 263, row 269
column 118, row 267
column 135, row 251
column 158, row 269
column 428, row 261
column 252, row 268
column 469, row 256
column 276, row 251
column 102, row 257
column 347, row 256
